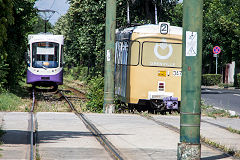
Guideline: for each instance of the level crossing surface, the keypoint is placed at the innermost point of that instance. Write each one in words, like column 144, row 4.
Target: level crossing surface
column 139, row 138
column 62, row 135
column 15, row 140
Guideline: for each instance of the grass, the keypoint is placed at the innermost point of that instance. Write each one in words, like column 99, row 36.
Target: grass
column 9, row 102
column 223, row 148
column 233, row 130
column 223, row 85
column 210, row 111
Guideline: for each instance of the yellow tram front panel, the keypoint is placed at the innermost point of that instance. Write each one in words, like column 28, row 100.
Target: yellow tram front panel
column 144, row 83
column 158, row 73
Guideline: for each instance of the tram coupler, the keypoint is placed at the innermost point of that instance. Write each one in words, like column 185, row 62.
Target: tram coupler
column 171, row 102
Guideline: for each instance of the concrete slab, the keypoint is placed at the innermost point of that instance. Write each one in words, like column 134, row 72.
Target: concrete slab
column 212, row 132
column 139, row 138
column 226, row 122
column 64, row 136
column 15, row 143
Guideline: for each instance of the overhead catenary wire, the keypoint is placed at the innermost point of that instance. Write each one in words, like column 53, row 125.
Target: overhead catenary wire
column 52, row 4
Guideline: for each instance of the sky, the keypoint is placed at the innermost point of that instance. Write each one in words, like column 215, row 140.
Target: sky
column 60, row 6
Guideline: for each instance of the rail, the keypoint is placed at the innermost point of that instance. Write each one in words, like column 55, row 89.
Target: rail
column 99, row 136
column 32, row 127
column 175, row 129
column 79, row 92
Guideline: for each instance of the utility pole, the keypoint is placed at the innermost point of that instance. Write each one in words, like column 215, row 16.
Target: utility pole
column 189, row 146
column 155, row 5
column 108, row 106
column 128, row 13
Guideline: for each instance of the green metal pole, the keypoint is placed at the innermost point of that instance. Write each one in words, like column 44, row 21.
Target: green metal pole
column 189, row 146
column 108, row 106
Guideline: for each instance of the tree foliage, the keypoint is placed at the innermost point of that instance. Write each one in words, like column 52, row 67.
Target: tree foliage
column 6, row 18
column 39, row 25
column 221, row 27
column 84, row 28
column 19, row 15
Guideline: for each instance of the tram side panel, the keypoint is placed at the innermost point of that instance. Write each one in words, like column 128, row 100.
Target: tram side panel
column 121, row 70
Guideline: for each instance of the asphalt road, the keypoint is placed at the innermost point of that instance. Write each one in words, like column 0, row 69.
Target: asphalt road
column 222, row 98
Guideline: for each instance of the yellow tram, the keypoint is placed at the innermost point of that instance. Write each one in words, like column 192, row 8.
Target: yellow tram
column 148, row 65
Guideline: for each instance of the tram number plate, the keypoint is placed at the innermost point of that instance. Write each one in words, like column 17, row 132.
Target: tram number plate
column 177, row 73
column 162, row 74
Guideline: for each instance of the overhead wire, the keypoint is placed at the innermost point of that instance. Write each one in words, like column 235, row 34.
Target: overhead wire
column 52, row 4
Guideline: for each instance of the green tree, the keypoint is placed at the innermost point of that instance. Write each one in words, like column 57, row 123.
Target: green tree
column 84, row 37
column 15, row 46
column 39, row 25
column 6, row 19
column 220, row 28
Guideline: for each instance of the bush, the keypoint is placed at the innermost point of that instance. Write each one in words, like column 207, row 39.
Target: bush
column 237, row 80
column 78, row 73
column 211, row 79
column 95, row 94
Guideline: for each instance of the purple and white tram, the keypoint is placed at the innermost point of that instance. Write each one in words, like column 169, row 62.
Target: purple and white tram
column 45, row 60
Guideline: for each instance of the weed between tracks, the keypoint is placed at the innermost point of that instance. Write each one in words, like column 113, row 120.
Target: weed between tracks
column 223, row 148
column 233, row 130
column 53, row 102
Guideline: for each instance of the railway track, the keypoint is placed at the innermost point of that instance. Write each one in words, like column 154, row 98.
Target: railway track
column 80, row 94
column 79, row 85
column 107, row 145
column 32, row 128
column 202, row 139
column 113, row 151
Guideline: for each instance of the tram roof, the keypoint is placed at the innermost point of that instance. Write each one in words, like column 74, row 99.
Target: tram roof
column 150, row 28
column 45, row 37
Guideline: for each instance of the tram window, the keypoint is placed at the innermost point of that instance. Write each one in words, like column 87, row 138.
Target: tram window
column 121, row 52
column 61, row 60
column 161, row 54
column 127, row 53
column 133, row 56
column 45, row 51
column 27, row 56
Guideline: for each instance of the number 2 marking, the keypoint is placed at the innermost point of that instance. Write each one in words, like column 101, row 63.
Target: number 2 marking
column 164, row 28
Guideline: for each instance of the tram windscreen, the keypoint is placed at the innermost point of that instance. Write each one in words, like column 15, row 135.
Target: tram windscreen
column 45, row 54
column 162, row 54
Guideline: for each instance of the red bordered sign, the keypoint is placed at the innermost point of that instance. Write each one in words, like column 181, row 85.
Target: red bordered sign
column 216, row 50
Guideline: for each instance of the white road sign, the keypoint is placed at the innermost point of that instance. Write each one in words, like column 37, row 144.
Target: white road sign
column 191, row 43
